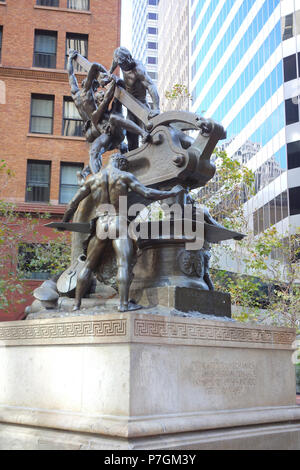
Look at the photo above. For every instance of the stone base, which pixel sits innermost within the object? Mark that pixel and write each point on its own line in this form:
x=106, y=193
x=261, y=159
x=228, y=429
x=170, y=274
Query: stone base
x=136, y=381
x=185, y=299
x=264, y=437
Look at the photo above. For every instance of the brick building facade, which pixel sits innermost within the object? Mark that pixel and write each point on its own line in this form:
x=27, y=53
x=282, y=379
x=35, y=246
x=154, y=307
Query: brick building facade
x=40, y=138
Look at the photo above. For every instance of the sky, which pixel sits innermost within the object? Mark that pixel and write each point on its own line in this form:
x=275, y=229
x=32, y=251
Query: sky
x=126, y=10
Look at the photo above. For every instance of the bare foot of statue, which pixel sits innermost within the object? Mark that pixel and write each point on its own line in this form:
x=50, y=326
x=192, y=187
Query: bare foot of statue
x=129, y=307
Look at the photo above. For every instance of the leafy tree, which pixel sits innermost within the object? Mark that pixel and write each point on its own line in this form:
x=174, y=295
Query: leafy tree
x=268, y=263
x=178, y=90
x=24, y=250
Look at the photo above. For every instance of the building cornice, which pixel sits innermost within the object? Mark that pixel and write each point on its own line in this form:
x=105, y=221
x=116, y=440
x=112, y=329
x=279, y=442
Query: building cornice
x=34, y=208
x=55, y=136
x=23, y=73
x=63, y=10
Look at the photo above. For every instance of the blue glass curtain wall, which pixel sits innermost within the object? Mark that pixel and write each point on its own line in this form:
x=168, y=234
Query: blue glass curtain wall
x=270, y=45
x=257, y=101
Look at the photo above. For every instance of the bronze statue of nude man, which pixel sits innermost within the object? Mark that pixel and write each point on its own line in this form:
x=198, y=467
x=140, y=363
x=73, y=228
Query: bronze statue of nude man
x=137, y=82
x=84, y=97
x=104, y=128
x=106, y=188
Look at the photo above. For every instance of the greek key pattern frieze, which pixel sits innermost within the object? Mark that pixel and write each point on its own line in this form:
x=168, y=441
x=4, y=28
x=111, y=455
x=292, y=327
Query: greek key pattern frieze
x=160, y=329
x=80, y=329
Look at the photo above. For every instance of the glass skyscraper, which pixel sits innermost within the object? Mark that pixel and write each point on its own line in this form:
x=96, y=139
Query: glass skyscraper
x=244, y=73
x=145, y=34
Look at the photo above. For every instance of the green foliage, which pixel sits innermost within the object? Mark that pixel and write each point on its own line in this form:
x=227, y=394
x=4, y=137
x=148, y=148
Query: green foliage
x=50, y=257
x=297, y=367
x=15, y=229
x=266, y=281
x=178, y=90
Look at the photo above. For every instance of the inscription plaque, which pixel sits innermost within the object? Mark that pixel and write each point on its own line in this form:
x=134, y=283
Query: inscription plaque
x=219, y=377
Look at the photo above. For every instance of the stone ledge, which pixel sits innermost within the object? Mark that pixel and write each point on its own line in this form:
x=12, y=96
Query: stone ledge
x=143, y=426
x=55, y=136
x=269, y=437
x=35, y=73
x=144, y=328
x=63, y=10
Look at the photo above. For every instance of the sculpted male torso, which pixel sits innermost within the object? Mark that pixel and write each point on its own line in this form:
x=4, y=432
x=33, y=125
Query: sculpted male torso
x=84, y=97
x=137, y=82
x=85, y=103
x=106, y=188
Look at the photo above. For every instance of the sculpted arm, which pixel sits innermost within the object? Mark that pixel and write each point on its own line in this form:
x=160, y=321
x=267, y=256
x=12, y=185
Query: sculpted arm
x=72, y=79
x=151, y=88
x=113, y=67
x=102, y=108
x=83, y=192
x=93, y=74
x=149, y=193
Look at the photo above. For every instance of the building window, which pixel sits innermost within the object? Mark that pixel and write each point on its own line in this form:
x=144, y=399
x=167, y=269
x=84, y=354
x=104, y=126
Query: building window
x=271, y=213
x=290, y=25
x=287, y=27
x=284, y=204
x=153, y=75
x=79, y=4
x=270, y=170
x=152, y=16
x=38, y=181
x=293, y=154
x=41, y=119
x=294, y=199
x=68, y=181
x=291, y=110
x=152, y=30
x=152, y=45
x=152, y=2
x=72, y=122
x=290, y=68
x=45, y=49
x=30, y=261
x=48, y=3
x=152, y=60
x=78, y=42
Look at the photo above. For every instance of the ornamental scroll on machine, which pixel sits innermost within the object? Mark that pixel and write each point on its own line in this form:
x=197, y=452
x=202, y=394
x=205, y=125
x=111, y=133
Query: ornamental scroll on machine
x=160, y=271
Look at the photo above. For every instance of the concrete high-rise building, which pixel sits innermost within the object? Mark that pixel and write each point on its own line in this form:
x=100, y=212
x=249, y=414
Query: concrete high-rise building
x=145, y=34
x=245, y=73
x=173, y=51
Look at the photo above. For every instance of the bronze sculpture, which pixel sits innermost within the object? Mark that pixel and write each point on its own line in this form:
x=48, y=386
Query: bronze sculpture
x=136, y=82
x=103, y=127
x=167, y=157
x=106, y=188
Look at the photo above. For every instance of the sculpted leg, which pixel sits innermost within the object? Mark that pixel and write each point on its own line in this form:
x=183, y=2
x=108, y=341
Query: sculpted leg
x=94, y=252
x=97, y=148
x=118, y=123
x=132, y=138
x=124, y=254
x=82, y=285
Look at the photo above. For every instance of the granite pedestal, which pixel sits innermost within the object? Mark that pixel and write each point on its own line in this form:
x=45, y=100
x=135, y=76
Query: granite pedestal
x=136, y=381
